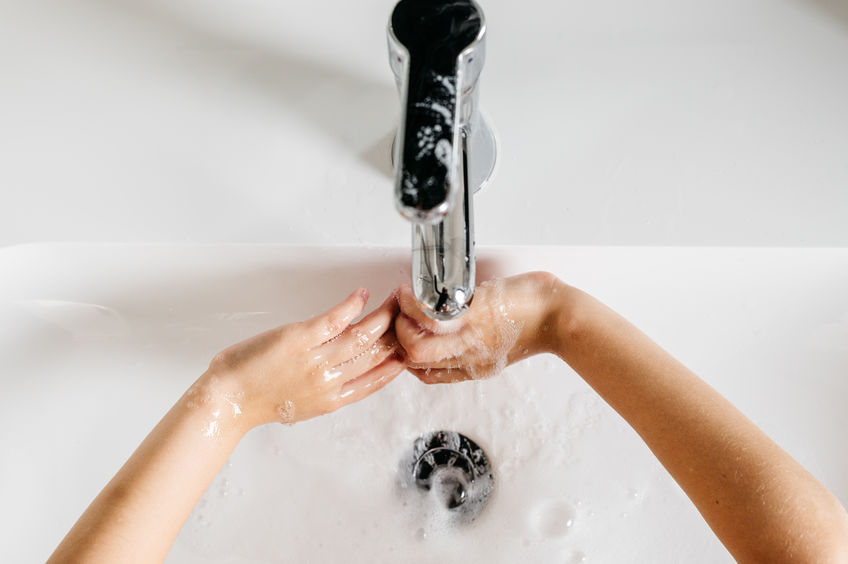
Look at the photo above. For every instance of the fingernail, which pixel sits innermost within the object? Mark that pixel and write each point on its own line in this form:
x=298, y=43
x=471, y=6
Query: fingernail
x=363, y=293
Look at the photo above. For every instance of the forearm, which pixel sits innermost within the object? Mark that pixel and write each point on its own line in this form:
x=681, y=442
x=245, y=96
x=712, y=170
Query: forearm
x=761, y=503
x=139, y=513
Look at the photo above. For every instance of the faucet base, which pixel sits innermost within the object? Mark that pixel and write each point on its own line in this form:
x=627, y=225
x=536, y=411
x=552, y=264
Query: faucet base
x=483, y=145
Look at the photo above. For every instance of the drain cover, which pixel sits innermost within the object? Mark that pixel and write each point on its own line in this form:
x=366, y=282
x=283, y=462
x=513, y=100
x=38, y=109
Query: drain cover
x=454, y=472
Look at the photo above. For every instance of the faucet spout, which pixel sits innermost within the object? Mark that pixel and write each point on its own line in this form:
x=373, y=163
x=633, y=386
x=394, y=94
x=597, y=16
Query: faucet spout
x=444, y=151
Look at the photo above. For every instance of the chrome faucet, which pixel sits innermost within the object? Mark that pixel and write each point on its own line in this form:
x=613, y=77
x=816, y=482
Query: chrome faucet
x=444, y=151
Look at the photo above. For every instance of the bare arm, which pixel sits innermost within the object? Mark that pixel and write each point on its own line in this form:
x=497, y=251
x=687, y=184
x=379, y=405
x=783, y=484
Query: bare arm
x=759, y=501
x=762, y=505
x=288, y=374
x=138, y=514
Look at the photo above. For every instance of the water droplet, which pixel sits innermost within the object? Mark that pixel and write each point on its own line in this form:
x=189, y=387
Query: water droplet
x=553, y=519
x=577, y=557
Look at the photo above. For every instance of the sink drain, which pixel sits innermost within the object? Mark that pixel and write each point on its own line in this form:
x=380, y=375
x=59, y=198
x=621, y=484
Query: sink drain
x=453, y=472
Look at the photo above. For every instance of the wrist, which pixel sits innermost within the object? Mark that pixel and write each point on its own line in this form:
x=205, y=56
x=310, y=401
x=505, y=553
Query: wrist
x=550, y=315
x=539, y=301
x=221, y=404
x=565, y=318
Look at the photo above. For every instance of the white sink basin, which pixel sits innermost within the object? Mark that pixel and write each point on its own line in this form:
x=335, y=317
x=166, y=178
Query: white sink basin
x=96, y=343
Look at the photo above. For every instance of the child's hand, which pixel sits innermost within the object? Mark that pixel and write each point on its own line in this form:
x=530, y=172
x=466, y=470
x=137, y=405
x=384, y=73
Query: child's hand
x=287, y=374
x=306, y=369
x=509, y=319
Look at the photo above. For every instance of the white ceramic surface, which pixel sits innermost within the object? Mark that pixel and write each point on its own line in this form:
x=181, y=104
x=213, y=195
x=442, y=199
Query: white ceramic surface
x=659, y=122
x=96, y=342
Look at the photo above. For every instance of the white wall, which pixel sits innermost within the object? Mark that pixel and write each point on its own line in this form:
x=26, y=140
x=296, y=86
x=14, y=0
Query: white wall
x=660, y=122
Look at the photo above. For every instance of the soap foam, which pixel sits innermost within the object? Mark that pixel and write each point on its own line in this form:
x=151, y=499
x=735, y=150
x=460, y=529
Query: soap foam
x=286, y=412
x=490, y=359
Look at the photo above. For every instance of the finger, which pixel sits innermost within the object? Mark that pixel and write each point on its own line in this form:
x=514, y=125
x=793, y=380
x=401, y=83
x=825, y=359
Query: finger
x=360, y=337
x=375, y=379
x=444, y=364
x=439, y=376
x=329, y=325
x=423, y=346
x=353, y=367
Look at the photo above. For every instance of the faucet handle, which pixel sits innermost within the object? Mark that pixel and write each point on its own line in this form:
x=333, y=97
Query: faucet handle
x=426, y=40
x=429, y=141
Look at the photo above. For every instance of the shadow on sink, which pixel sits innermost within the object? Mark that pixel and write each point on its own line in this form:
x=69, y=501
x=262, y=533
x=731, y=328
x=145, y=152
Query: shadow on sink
x=349, y=107
x=187, y=305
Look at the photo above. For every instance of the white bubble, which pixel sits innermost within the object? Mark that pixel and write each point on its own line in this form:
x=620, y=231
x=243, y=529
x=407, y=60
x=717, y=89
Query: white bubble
x=212, y=430
x=286, y=412
x=553, y=519
x=576, y=557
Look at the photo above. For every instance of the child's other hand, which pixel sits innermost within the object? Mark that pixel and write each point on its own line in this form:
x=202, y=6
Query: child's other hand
x=509, y=319
x=302, y=370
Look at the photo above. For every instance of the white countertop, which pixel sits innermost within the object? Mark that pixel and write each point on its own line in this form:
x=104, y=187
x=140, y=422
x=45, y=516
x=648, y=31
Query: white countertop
x=654, y=123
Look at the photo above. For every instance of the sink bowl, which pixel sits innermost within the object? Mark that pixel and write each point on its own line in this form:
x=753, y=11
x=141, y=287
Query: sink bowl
x=98, y=341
